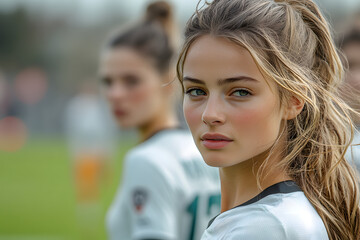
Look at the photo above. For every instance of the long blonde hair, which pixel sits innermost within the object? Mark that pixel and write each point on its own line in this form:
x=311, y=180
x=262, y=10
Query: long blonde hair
x=291, y=43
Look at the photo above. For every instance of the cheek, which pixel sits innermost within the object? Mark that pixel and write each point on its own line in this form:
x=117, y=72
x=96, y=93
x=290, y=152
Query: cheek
x=139, y=95
x=145, y=101
x=192, y=114
x=144, y=97
x=247, y=122
x=259, y=122
x=251, y=116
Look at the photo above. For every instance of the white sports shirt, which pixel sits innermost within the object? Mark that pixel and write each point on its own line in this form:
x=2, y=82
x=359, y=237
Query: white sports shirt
x=167, y=192
x=280, y=212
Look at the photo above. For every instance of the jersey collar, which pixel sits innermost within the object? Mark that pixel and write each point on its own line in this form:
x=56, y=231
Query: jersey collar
x=284, y=187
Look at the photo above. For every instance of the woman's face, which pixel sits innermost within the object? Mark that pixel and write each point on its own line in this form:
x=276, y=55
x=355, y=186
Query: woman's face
x=232, y=111
x=133, y=86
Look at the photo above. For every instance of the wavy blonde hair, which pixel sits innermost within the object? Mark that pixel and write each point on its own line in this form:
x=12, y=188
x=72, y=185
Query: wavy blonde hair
x=291, y=43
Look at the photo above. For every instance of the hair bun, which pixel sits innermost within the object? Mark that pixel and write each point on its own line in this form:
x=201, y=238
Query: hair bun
x=159, y=11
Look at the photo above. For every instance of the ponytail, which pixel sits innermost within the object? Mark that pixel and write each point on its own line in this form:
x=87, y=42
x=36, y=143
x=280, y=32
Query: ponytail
x=327, y=63
x=326, y=178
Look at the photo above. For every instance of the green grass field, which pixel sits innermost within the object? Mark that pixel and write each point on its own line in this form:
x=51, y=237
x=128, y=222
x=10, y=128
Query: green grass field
x=37, y=194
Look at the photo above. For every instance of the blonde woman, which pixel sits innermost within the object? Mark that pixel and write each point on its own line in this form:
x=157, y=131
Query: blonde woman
x=260, y=79
x=167, y=191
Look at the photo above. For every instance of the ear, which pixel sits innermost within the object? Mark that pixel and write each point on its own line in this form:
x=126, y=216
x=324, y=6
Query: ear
x=294, y=107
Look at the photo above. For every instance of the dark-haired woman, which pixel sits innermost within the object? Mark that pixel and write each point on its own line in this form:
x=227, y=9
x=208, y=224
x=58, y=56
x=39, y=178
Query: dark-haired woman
x=167, y=191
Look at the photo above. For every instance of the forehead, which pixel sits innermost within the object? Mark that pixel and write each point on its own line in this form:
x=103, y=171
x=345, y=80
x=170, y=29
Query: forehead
x=211, y=57
x=123, y=59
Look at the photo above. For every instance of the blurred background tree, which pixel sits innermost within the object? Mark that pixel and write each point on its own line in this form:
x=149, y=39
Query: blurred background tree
x=20, y=40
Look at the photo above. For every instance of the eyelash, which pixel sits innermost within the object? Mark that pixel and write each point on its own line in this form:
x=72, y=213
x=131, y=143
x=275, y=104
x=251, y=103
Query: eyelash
x=248, y=93
x=187, y=92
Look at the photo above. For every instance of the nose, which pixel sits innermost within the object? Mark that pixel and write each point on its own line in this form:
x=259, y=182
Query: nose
x=213, y=114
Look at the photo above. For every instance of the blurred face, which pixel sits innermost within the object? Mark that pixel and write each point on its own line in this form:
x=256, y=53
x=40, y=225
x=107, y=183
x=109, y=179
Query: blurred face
x=232, y=111
x=352, y=52
x=133, y=86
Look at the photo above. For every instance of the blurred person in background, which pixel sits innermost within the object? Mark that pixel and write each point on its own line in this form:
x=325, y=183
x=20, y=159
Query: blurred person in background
x=9, y=105
x=3, y=95
x=350, y=47
x=91, y=142
x=167, y=191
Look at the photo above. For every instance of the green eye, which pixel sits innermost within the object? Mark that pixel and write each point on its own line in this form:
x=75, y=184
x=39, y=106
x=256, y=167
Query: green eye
x=241, y=93
x=195, y=92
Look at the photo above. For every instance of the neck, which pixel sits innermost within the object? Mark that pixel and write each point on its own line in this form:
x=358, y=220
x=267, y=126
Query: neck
x=158, y=123
x=239, y=182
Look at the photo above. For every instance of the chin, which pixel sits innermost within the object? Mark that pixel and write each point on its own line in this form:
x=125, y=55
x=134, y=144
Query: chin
x=214, y=160
x=126, y=123
x=221, y=160
x=213, y=164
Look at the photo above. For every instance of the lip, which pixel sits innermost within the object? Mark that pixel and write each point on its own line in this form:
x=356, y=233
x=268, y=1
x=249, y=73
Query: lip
x=215, y=140
x=119, y=113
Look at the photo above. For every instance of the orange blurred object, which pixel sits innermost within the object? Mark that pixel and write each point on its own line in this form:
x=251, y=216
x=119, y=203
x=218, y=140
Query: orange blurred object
x=88, y=174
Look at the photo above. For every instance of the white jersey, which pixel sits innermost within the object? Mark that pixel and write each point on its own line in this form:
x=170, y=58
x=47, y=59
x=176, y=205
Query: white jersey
x=88, y=125
x=168, y=192
x=279, y=212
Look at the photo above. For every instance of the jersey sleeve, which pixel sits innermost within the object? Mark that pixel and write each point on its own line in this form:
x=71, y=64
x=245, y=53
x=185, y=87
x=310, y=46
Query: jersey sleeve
x=150, y=196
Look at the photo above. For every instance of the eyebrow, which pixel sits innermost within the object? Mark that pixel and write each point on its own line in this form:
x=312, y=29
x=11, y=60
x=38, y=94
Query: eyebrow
x=221, y=81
